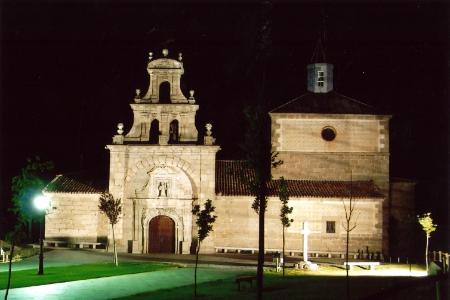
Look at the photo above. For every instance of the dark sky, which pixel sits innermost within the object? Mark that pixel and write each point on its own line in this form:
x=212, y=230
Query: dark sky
x=69, y=71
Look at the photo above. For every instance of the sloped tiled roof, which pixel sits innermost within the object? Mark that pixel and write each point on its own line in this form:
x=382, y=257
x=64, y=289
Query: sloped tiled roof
x=75, y=184
x=325, y=103
x=232, y=178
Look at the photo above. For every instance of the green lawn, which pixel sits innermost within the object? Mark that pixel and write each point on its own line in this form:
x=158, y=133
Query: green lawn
x=303, y=285
x=307, y=287
x=77, y=272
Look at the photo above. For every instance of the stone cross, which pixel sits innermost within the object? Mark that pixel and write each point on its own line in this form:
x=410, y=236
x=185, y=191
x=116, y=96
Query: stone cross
x=305, y=232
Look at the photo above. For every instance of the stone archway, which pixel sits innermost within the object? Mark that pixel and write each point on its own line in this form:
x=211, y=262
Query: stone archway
x=147, y=165
x=161, y=233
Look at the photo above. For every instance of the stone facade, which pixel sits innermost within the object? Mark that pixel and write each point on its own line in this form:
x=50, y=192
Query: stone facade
x=136, y=173
x=160, y=169
x=75, y=218
x=360, y=150
x=165, y=178
x=237, y=224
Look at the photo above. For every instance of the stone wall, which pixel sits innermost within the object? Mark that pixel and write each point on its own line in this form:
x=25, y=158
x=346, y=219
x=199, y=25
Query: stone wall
x=75, y=218
x=237, y=224
x=360, y=150
x=335, y=166
x=351, y=135
x=354, y=133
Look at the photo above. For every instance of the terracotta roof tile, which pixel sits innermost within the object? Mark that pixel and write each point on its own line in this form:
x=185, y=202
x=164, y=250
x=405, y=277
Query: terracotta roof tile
x=74, y=184
x=231, y=178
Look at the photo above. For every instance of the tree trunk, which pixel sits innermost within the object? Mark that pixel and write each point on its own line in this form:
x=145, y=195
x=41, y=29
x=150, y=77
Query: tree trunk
x=30, y=228
x=195, y=272
x=283, y=248
x=116, y=262
x=347, y=279
x=11, y=254
x=426, y=253
x=260, y=270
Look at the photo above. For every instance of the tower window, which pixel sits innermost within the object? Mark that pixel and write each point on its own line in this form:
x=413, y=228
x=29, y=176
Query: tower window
x=331, y=227
x=164, y=92
x=154, y=132
x=320, y=78
x=173, y=132
x=328, y=133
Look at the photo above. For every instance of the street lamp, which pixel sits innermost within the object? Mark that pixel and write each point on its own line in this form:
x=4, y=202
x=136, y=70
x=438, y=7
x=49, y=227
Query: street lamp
x=41, y=202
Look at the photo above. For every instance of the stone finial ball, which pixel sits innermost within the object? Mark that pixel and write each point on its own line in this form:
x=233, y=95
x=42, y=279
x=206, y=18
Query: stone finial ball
x=120, y=128
x=165, y=52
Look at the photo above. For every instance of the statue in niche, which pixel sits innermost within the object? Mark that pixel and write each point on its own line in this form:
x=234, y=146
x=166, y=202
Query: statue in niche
x=163, y=188
x=166, y=187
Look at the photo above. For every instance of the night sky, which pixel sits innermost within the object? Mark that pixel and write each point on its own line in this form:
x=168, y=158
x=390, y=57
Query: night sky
x=69, y=71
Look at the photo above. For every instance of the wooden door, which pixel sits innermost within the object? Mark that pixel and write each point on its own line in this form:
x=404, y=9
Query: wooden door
x=161, y=235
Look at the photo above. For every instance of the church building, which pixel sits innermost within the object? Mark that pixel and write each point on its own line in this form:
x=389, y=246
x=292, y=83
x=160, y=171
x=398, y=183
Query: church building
x=333, y=147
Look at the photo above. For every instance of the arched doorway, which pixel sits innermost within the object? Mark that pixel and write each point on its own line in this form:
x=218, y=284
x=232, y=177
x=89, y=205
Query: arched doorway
x=161, y=235
x=164, y=92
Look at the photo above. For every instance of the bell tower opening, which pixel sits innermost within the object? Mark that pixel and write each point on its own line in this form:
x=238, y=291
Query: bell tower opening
x=173, y=132
x=165, y=102
x=154, y=132
x=164, y=92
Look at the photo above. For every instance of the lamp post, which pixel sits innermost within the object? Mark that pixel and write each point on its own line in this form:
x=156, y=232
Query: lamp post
x=41, y=202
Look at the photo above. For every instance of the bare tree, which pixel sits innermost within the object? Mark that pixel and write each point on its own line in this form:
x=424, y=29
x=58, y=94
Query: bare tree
x=204, y=221
x=349, y=225
x=284, y=211
x=426, y=221
x=112, y=208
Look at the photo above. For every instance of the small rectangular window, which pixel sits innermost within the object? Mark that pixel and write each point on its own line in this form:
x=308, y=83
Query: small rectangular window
x=331, y=227
x=320, y=78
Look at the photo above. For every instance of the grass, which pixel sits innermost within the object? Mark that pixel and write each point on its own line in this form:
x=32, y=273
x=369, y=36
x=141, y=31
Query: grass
x=276, y=287
x=26, y=278
x=330, y=284
x=306, y=287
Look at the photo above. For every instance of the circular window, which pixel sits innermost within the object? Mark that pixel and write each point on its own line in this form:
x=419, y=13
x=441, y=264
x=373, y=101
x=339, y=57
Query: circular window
x=328, y=134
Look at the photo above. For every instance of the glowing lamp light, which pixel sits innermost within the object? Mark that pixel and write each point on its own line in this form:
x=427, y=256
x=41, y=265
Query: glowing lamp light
x=41, y=202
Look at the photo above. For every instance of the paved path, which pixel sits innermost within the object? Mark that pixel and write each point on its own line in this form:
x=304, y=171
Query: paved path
x=67, y=257
x=121, y=286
